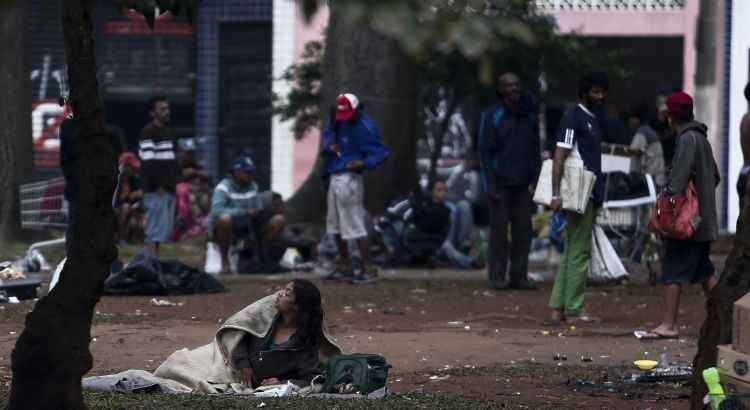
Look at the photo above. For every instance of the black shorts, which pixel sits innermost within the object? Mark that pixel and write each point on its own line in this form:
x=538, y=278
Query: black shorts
x=686, y=262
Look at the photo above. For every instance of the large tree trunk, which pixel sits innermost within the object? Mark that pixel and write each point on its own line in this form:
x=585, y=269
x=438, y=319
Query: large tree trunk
x=52, y=353
x=733, y=284
x=15, y=113
x=360, y=61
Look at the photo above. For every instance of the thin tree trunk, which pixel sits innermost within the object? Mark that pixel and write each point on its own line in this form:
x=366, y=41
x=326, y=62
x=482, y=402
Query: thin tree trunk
x=15, y=114
x=733, y=284
x=52, y=353
x=360, y=61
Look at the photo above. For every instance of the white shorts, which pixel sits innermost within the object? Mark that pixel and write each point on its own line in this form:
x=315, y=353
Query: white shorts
x=346, y=211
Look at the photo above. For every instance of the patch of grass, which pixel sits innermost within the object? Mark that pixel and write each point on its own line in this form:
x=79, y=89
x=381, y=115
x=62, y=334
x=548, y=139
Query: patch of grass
x=115, y=401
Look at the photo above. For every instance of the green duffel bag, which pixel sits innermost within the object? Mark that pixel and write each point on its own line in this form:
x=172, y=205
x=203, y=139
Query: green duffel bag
x=356, y=373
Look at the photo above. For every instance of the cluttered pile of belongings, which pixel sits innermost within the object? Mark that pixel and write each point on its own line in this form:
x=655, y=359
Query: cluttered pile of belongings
x=148, y=275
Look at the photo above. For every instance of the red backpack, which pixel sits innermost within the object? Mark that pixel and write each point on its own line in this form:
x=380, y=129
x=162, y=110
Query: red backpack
x=678, y=216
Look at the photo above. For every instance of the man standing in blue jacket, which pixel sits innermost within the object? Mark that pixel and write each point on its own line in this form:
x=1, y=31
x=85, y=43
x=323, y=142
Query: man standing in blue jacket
x=510, y=156
x=351, y=145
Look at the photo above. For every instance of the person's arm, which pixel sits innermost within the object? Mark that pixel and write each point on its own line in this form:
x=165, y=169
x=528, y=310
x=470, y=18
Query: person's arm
x=682, y=164
x=375, y=151
x=566, y=140
x=486, y=151
x=220, y=203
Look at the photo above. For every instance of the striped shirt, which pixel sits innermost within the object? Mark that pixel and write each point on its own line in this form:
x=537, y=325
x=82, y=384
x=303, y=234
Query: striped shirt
x=233, y=200
x=158, y=153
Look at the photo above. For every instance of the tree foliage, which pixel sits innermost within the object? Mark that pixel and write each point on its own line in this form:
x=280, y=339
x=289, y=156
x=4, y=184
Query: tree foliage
x=302, y=103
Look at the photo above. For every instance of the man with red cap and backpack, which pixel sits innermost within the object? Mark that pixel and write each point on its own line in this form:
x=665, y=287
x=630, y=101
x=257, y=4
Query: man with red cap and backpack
x=351, y=145
x=687, y=261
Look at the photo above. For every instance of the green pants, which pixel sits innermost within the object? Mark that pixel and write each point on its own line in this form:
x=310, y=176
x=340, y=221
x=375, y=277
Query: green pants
x=570, y=283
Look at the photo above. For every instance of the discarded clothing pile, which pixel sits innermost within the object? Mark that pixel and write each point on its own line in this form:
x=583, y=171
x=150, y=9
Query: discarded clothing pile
x=147, y=275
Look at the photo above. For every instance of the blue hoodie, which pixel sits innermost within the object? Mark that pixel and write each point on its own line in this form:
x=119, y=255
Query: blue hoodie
x=359, y=140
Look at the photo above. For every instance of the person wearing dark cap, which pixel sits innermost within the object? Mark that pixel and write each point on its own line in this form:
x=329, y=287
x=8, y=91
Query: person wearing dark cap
x=688, y=261
x=237, y=212
x=745, y=144
x=351, y=145
x=580, y=133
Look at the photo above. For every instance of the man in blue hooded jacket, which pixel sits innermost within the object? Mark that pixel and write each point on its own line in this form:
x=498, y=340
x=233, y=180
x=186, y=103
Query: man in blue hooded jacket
x=510, y=155
x=351, y=145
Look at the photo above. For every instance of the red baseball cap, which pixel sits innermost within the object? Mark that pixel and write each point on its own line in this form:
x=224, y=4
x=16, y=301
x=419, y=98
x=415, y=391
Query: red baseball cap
x=679, y=103
x=129, y=158
x=346, y=105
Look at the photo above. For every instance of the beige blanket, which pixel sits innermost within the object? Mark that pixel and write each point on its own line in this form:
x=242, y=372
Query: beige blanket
x=209, y=368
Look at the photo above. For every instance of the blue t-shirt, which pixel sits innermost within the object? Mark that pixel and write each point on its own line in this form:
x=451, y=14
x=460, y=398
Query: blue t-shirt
x=580, y=128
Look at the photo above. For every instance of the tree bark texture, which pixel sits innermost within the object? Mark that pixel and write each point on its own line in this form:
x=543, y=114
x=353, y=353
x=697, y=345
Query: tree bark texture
x=717, y=328
x=360, y=61
x=52, y=353
x=15, y=114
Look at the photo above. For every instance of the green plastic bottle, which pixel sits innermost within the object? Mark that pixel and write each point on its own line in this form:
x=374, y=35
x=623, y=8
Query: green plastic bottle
x=715, y=391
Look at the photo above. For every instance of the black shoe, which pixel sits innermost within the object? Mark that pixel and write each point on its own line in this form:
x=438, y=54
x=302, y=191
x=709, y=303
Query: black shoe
x=523, y=285
x=499, y=286
x=339, y=274
x=365, y=277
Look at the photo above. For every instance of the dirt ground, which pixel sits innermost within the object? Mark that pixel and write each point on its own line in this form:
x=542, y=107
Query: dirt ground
x=443, y=336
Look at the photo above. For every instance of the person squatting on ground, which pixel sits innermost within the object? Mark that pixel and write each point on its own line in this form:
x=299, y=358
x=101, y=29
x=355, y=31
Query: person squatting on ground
x=239, y=211
x=745, y=144
x=157, y=150
x=580, y=132
x=510, y=155
x=688, y=261
x=351, y=145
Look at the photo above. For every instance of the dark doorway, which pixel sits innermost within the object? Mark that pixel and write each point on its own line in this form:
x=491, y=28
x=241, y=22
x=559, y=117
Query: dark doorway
x=245, y=96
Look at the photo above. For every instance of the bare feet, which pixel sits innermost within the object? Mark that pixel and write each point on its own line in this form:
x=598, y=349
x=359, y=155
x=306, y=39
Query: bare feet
x=665, y=331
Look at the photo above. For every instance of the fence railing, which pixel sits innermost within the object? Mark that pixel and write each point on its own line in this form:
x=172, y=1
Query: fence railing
x=610, y=5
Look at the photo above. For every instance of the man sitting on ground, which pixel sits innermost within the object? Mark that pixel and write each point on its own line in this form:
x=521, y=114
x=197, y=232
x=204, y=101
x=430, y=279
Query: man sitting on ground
x=237, y=212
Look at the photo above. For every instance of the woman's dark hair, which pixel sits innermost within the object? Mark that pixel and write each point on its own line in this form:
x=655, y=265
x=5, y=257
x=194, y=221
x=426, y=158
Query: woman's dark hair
x=309, y=313
x=747, y=92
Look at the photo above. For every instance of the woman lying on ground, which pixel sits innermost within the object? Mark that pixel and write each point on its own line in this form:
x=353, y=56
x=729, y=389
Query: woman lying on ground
x=279, y=338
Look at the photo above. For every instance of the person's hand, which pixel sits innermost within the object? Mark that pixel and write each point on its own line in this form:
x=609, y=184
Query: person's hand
x=355, y=165
x=246, y=376
x=334, y=148
x=270, y=382
x=556, y=203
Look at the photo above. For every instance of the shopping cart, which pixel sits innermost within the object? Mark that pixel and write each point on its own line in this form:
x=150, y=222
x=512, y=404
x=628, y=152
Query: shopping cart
x=43, y=207
x=628, y=220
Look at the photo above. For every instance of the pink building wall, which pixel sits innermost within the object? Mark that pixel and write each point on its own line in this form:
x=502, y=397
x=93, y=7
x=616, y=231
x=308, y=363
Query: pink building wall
x=676, y=23
x=306, y=149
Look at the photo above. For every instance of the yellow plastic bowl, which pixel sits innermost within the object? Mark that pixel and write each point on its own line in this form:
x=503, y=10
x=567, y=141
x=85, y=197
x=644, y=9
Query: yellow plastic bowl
x=646, y=364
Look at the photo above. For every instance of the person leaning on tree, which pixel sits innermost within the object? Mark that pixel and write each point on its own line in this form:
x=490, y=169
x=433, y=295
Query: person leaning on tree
x=351, y=145
x=579, y=131
x=510, y=155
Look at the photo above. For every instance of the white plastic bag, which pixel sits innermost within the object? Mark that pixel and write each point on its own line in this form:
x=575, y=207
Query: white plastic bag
x=605, y=265
x=213, y=259
x=56, y=274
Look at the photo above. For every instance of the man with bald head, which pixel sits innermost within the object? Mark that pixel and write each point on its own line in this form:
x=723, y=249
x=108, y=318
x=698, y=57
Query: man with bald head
x=510, y=155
